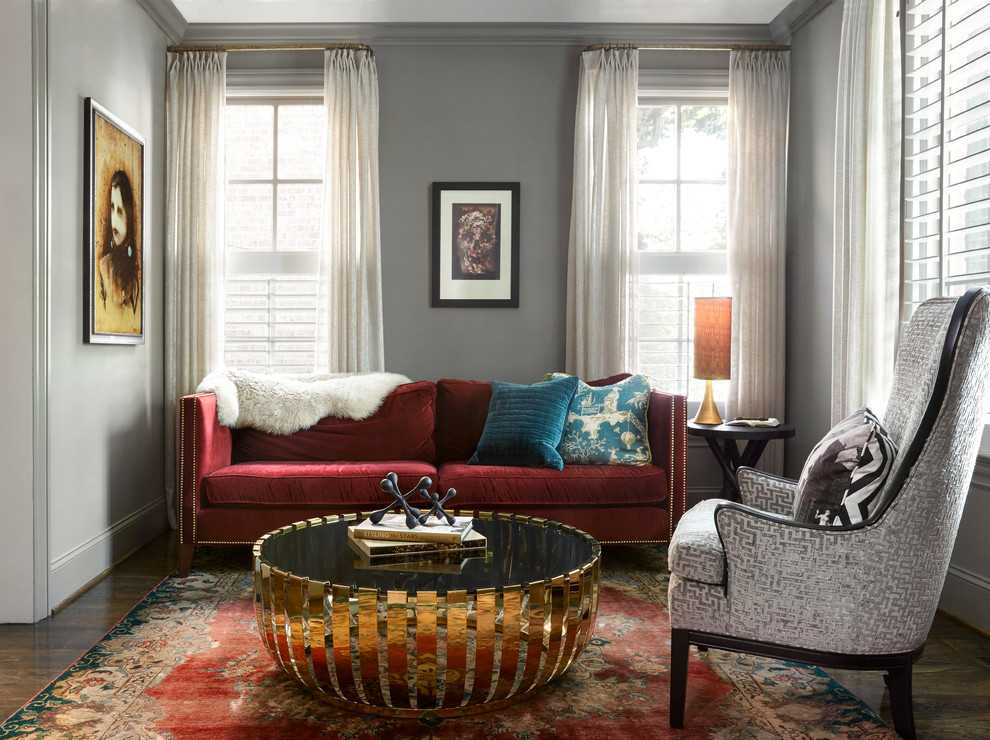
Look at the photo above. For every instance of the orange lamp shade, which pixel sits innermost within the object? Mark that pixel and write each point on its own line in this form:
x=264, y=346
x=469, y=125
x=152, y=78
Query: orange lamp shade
x=712, y=338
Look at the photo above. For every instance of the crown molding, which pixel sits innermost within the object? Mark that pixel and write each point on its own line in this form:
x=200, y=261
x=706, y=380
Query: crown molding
x=794, y=17
x=167, y=16
x=469, y=34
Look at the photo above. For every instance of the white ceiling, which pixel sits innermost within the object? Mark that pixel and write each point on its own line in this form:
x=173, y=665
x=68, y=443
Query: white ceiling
x=471, y=11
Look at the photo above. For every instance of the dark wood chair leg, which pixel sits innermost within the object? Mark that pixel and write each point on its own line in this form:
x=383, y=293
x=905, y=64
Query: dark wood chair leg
x=185, y=559
x=901, y=704
x=679, y=650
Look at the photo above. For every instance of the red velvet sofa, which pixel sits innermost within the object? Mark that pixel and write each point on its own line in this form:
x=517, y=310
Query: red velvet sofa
x=237, y=484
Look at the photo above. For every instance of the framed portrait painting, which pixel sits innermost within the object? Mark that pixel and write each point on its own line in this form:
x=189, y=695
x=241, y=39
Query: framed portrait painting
x=475, y=259
x=114, y=230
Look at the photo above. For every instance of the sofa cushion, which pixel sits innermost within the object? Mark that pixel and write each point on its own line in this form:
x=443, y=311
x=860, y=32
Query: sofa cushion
x=401, y=429
x=499, y=487
x=525, y=424
x=606, y=424
x=281, y=484
x=843, y=477
x=462, y=408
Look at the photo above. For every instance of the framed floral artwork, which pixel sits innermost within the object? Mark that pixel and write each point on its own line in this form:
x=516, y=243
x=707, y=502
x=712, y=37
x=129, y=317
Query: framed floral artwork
x=114, y=230
x=475, y=255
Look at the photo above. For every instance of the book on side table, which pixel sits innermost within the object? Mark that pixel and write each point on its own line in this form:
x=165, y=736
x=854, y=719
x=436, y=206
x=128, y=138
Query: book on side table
x=761, y=421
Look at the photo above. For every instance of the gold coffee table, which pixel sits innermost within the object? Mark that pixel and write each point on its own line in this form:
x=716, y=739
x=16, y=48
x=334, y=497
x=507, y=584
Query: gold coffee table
x=410, y=641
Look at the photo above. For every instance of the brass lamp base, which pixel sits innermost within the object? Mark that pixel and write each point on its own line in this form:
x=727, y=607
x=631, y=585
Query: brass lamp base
x=708, y=413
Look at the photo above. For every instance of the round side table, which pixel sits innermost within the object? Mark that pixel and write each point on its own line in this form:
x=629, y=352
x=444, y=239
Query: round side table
x=722, y=439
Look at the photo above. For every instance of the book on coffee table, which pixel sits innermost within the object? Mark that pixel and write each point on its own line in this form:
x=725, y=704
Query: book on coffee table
x=441, y=561
x=378, y=550
x=393, y=527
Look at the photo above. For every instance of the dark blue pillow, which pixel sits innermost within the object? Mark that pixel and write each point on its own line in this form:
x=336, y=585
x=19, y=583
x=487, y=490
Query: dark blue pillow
x=525, y=424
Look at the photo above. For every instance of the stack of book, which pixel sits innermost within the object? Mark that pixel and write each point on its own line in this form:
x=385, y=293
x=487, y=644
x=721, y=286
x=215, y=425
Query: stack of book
x=435, y=546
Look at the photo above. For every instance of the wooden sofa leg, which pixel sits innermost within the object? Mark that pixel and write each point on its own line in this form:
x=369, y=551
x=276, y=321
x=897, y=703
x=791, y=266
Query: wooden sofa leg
x=679, y=649
x=185, y=559
x=901, y=703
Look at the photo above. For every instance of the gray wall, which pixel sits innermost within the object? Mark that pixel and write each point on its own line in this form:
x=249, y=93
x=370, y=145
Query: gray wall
x=488, y=113
x=482, y=113
x=105, y=431
x=810, y=211
x=16, y=303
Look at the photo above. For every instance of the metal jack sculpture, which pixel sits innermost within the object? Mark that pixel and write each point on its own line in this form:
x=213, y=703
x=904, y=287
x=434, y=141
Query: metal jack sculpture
x=413, y=515
x=437, y=507
x=391, y=485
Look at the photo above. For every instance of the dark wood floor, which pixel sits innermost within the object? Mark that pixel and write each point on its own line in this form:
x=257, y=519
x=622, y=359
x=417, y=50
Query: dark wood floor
x=33, y=655
x=951, y=685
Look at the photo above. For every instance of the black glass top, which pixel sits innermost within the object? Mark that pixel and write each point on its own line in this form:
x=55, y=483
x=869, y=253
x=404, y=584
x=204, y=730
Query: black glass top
x=517, y=553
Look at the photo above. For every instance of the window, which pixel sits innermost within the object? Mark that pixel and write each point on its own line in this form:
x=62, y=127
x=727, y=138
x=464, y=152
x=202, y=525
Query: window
x=681, y=229
x=273, y=221
x=946, y=148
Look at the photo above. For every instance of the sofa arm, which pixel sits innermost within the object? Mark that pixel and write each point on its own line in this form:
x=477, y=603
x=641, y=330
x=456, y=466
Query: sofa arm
x=204, y=446
x=667, y=423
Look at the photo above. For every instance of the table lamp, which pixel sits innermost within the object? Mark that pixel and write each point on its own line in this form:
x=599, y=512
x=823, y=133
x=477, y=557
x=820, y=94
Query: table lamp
x=712, y=350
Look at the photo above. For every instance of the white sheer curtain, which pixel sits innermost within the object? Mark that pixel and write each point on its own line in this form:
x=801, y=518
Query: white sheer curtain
x=602, y=264
x=350, y=261
x=759, y=93
x=194, y=106
x=866, y=260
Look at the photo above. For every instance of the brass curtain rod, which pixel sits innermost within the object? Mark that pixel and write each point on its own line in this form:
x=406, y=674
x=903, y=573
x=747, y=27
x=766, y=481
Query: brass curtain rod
x=692, y=47
x=271, y=47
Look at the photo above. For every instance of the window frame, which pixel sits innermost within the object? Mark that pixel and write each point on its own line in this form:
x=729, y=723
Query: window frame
x=683, y=88
x=936, y=203
x=273, y=262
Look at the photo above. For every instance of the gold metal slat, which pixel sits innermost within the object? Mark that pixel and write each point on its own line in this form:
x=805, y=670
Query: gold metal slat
x=534, y=635
x=263, y=606
x=367, y=620
x=341, y=630
x=283, y=656
x=426, y=650
x=398, y=651
x=511, y=621
x=484, y=651
x=457, y=634
x=318, y=637
x=558, y=611
x=295, y=628
x=572, y=620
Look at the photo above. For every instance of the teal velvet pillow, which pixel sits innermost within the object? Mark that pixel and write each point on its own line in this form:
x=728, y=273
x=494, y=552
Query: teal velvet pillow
x=607, y=424
x=525, y=424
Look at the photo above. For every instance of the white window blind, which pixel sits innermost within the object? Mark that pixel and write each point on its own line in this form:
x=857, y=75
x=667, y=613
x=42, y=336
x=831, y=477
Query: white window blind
x=946, y=148
x=273, y=222
x=681, y=225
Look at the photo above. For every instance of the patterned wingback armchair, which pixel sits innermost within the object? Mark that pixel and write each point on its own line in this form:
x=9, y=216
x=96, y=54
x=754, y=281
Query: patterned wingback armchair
x=749, y=578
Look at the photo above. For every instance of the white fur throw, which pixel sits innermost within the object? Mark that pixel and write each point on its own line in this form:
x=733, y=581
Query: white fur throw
x=283, y=404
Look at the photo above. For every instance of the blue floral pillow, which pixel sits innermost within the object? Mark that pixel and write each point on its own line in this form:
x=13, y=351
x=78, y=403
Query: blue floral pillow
x=607, y=424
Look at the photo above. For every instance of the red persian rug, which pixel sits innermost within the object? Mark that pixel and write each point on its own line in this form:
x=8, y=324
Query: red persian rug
x=187, y=662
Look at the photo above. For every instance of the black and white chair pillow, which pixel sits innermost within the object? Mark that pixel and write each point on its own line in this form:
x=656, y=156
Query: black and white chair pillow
x=844, y=475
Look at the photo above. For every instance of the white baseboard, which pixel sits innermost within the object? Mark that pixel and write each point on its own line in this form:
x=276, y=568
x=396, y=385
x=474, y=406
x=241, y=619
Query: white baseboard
x=77, y=568
x=967, y=596
x=966, y=593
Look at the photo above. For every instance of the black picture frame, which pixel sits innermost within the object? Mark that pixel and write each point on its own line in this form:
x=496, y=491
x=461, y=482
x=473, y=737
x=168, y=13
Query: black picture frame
x=114, y=219
x=475, y=250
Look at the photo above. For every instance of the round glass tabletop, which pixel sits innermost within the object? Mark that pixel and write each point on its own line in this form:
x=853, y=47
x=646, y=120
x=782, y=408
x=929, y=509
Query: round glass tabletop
x=517, y=552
